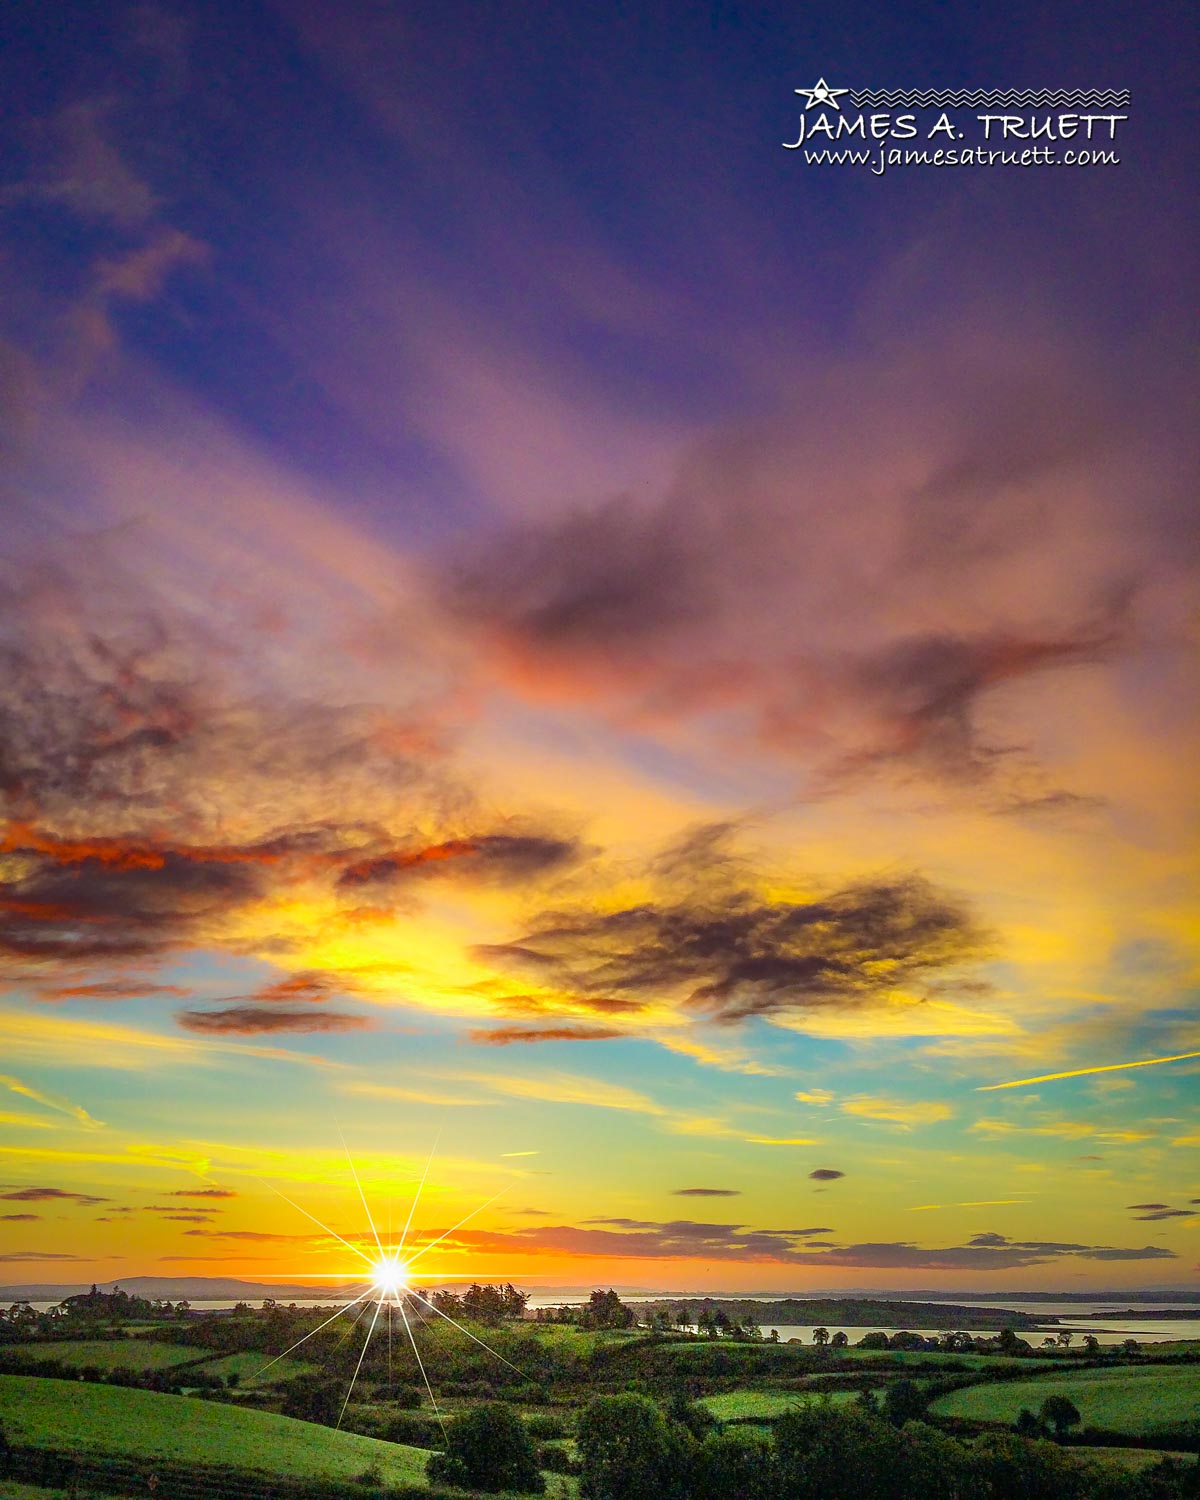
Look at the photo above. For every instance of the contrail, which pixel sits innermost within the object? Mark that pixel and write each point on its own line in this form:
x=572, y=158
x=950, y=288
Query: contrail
x=1146, y=1062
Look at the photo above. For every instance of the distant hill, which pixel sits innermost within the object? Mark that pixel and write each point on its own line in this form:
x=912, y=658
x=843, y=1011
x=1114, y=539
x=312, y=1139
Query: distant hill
x=189, y=1288
x=861, y=1312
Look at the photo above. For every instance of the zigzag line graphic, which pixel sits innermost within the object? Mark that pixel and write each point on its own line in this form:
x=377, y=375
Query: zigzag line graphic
x=959, y=98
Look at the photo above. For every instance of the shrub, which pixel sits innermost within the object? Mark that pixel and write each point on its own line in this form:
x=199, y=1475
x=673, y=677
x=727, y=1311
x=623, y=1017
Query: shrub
x=731, y=1464
x=488, y=1448
x=545, y=1426
x=629, y=1451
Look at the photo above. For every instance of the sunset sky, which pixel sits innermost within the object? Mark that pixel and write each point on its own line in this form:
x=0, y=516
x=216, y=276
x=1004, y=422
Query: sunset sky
x=534, y=622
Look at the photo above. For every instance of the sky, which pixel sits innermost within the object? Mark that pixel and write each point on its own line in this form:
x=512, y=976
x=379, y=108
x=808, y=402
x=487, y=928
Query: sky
x=557, y=653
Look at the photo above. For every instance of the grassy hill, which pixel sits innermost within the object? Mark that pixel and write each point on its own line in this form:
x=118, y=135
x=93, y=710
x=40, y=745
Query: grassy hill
x=109, y=1419
x=1138, y=1400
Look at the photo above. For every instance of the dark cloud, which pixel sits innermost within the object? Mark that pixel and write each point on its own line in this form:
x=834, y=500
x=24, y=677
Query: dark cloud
x=926, y=691
x=501, y=857
x=249, y=1020
x=703, y=1192
x=826, y=1174
x=1167, y=1213
x=132, y=738
x=1146, y=1205
x=202, y=1193
x=88, y=900
x=733, y=954
x=255, y=1234
x=16, y=1256
x=113, y=989
x=784, y=583
x=651, y=1240
x=512, y=956
x=50, y=1195
x=504, y=1036
x=20, y=1218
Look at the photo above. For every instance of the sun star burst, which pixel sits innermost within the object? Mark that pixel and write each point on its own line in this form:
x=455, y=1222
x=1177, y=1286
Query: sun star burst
x=390, y=1285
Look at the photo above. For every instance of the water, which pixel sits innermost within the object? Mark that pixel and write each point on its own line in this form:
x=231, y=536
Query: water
x=1070, y=1315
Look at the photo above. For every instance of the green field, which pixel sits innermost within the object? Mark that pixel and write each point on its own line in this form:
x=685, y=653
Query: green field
x=248, y=1365
x=109, y=1419
x=739, y=1406
x=1139, y=1400
x=1127, y=1458
x=110, y=1354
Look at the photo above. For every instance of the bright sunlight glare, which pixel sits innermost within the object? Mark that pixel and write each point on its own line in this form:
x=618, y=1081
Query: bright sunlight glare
x=389, y=1277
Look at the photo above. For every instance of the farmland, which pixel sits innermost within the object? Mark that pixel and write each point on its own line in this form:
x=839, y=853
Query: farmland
x=111, y=1354
x=1138, y=1401
x=761, y=1406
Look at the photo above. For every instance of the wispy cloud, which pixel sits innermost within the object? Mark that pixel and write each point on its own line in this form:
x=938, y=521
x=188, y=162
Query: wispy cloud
x=903, y=1112
x=50, y=1101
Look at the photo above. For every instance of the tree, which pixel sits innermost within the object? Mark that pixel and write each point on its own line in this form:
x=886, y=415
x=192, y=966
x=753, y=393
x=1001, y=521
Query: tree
x=1028, y=1425
x=1091, y=1343
x=826, y=1451
x=873, y=1341
x=1130, y=1346
x=1012, y=1468
x=606, y=1310
x=488, y=1448
x=820, y=1337
x=313, y=1399
x=1060, y=1412
x=629, y=1451
x=903, y=1401
x=840, y=1339
x=1064, y=1339
x=731, y=1466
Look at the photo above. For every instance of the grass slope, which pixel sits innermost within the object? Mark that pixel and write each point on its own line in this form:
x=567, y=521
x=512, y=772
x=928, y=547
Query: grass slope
x=109, y=1419
x=1139, y=1400
x=110, y=1354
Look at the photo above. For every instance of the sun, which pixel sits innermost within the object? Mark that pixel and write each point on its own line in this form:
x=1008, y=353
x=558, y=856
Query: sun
x=389, y=1277
x=390, y=1286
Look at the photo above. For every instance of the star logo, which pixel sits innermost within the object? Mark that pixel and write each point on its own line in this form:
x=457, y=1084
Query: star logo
x=821, y=93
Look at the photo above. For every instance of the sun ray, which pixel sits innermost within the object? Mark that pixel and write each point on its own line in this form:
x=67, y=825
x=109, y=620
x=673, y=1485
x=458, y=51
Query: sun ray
x=351, y=1326
x=361, y=1194
x=417, y=1195
x=421, y=1366
x=469, y=1334
x=391, y=1285
x=359, y=1365
x=332, y=1232
x=311, y=1331
x=416, y=1255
